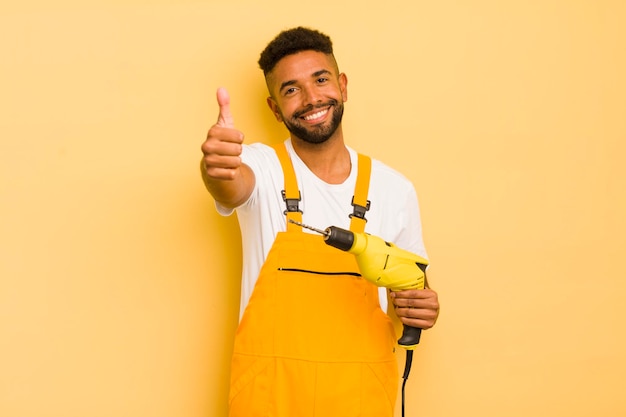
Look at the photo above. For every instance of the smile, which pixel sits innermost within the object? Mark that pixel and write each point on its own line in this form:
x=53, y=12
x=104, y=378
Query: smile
x=315, y=116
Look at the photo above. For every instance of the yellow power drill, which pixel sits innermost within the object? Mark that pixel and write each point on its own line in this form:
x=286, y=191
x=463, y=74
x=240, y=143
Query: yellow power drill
x=381, y=263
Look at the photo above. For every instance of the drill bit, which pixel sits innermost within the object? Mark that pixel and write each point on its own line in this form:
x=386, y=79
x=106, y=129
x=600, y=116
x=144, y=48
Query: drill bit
x=326, y=233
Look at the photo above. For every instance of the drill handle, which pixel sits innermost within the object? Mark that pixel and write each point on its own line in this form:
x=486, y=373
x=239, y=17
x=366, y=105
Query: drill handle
x=410, y=337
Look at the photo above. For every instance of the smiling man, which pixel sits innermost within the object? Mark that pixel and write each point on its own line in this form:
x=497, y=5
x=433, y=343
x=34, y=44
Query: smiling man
x=314, y=338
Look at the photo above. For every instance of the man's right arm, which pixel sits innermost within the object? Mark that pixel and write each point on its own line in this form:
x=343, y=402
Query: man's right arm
x=229, y=181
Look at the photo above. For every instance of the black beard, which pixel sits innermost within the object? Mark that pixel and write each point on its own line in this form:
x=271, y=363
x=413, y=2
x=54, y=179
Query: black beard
x=316, y=134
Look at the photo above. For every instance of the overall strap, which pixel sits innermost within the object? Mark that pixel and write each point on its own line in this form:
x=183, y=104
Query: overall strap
x=360, y=203
x=291, y=194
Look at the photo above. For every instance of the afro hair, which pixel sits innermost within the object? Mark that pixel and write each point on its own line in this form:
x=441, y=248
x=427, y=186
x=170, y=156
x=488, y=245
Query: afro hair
x=292, y=41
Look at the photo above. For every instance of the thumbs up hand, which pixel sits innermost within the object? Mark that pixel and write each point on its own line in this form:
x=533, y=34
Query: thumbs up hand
x=223, y=145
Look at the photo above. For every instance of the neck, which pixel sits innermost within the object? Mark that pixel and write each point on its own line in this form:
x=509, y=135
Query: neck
x=329, y=161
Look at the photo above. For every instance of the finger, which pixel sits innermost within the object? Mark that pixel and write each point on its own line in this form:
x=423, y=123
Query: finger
x=423, y=293
x=417, y=313
x=416, y=299
x=221, y=173
x=412, y=303
x=424, y=324
x=225, y=118
x=223, y=141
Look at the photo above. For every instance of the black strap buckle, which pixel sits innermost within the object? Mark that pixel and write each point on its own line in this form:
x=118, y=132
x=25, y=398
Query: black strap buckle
x=292, y=203
x=359, y=210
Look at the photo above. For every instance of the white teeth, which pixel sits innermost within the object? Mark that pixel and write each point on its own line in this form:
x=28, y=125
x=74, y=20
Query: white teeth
x=316, y=115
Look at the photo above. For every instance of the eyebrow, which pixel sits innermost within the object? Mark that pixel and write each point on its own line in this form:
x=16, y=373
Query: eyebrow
x=315, y=74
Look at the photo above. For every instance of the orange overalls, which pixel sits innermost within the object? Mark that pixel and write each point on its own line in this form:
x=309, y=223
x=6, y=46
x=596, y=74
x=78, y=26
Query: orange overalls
x=313, y=340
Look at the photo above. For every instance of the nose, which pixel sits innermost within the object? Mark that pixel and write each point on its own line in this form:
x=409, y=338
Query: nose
x=311, y=95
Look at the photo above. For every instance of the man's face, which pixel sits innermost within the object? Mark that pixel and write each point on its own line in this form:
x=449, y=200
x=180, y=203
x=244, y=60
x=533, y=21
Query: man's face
x=307, y=94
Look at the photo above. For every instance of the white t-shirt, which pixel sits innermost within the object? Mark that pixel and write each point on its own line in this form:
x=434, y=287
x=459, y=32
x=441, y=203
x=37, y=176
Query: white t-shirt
x=394, y=212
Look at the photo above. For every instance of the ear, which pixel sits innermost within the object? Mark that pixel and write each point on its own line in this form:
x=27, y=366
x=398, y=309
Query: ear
x=274, y=108
x=343, y=86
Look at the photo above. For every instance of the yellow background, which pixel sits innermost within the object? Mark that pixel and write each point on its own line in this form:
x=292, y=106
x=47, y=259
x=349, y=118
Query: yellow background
x=119, y=282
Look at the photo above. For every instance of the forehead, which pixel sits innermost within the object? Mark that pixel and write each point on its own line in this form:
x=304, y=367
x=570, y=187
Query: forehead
x=300, y=66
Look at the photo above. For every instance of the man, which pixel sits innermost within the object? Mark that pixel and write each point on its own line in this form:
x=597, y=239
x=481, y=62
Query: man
x=313, y=339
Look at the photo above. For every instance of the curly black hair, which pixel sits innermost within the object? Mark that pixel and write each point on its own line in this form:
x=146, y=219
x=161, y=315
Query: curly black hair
x=292, y=41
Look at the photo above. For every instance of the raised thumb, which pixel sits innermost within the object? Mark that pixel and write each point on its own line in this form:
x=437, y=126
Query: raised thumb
x=225, y=118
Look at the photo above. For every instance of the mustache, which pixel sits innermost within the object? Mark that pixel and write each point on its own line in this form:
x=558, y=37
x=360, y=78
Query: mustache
x=310, y=107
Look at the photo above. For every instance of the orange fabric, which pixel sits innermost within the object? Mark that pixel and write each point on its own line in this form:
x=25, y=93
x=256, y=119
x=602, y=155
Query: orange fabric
x=313, y=341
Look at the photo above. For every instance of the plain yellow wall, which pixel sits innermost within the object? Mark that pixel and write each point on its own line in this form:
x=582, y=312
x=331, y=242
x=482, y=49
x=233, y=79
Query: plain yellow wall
x=119, y=282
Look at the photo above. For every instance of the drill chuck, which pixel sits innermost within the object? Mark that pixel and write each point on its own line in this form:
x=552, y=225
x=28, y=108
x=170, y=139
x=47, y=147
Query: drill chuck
x=334, y=236
x=339, y=238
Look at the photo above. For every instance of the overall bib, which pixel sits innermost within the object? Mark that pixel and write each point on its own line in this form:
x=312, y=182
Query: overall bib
x=313, y=340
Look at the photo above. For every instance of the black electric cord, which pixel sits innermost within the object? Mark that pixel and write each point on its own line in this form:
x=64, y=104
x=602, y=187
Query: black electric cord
x=405, y=376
